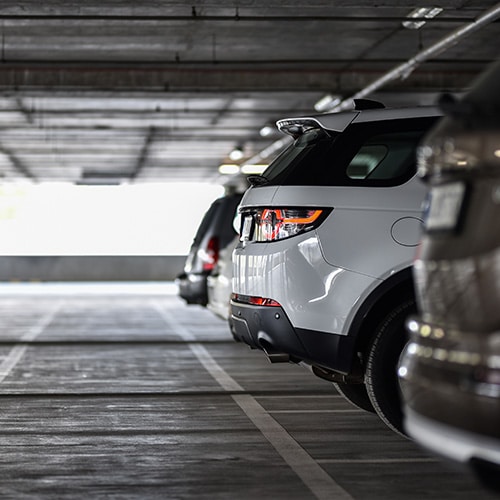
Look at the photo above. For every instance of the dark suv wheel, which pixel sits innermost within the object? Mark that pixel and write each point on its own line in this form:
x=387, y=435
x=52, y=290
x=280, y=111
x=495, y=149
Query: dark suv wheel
x=381, y=378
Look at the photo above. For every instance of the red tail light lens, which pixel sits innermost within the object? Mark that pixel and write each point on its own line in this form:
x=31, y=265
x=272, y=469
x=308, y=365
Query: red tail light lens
x=272, y=224
x=210, y=255
x=254, y=301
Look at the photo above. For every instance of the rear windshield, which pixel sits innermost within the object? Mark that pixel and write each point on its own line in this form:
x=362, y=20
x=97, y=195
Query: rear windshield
x=218, y=220
x=365, y=154
x=205, y=223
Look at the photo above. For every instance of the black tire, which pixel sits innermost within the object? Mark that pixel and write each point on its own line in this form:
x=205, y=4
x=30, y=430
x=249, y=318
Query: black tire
x=356, y=394
x=381, y=378
x=487, y=473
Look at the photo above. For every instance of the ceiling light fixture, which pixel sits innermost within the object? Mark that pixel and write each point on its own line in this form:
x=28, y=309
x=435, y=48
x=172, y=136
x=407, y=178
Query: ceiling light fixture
x=253, y=169
x=229, y=169
x=236, y=154
x=267, y=130
x=327, y=102
x=421, y=13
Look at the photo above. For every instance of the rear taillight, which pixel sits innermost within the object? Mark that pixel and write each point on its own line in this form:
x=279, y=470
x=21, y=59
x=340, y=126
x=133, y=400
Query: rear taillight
x=272, y=224
x=210, y=255
x=254, y=301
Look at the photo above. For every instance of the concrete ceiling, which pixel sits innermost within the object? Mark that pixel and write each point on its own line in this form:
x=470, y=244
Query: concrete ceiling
x=112, y=90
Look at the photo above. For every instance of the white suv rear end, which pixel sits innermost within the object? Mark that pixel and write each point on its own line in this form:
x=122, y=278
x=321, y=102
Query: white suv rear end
x=322, y=272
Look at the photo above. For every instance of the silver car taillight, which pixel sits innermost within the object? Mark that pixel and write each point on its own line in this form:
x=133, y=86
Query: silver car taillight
x=273, y=224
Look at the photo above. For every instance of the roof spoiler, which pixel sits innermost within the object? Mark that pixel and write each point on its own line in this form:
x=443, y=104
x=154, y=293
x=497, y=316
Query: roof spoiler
x=361, y=104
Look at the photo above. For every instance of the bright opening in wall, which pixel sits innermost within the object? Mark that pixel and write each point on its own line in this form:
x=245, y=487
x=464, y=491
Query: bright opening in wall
x=131, y=219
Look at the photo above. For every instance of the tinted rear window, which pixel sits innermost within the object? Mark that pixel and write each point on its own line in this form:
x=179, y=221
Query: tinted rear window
x=218, y=220
x=365, y=154
x=205, y=222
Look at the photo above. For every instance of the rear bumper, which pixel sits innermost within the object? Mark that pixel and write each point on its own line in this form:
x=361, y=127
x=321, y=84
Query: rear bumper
x=269, y=329
x=451, y=442
x=451, y=386
x=193, y=288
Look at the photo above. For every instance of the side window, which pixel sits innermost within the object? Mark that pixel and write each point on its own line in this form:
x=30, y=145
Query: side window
x=384, y=157
x=366, y=161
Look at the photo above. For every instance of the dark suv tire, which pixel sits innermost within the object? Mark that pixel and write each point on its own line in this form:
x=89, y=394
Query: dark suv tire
x=381, y=378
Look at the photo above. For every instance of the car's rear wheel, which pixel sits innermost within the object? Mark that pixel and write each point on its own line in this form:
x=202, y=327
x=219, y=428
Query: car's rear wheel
x=381, y=378
x=356, y=394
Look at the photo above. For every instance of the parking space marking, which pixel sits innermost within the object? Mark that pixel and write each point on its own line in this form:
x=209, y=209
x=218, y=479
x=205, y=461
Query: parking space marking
x=315, y=396
x=321, y=484
x=377, y=460
x=317, y=411
x=17, y=352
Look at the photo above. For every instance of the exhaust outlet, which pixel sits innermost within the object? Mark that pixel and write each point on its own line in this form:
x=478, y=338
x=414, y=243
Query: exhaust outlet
x=272, y=354
x=277, y=357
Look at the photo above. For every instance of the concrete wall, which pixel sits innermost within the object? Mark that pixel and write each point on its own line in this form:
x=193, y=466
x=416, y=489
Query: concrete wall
x=91, y=268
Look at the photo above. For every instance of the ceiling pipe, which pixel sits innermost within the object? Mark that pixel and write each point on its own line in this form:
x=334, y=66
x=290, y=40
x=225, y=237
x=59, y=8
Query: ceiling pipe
x=209, y=18
x=401, y=71
x=404, y=70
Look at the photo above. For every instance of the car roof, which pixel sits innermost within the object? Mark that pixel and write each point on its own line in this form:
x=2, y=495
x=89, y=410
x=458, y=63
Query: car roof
x=338, y=122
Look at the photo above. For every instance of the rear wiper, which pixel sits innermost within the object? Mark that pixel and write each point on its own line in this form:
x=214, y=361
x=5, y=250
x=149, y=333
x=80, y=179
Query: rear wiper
x=257, y=180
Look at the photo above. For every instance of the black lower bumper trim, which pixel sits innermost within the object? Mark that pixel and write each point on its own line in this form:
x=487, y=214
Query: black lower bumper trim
x=269, y=329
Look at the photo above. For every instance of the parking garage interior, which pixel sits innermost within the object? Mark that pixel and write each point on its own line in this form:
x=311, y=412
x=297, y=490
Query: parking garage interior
x=120, y=123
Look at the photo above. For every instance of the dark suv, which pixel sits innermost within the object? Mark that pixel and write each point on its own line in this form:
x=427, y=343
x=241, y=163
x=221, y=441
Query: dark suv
x=450, y=370
x=215, y=232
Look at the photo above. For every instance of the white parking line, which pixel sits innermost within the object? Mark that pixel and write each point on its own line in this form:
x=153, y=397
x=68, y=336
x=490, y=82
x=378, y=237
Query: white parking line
x=378, y=460
x=318, y=411
x=321, y=485
x=305, y=396
x=16, y=353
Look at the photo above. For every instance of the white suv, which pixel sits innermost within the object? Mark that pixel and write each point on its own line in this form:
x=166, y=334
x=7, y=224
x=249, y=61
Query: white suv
x=322, y=273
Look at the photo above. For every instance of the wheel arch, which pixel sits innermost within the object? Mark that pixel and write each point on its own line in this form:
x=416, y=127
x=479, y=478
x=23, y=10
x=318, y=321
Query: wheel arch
x=377, y=305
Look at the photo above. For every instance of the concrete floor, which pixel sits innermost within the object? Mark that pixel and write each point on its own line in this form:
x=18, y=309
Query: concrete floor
x=123, y=391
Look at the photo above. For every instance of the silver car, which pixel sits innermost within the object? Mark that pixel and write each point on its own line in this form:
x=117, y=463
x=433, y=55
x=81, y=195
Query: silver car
x=322, y=274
